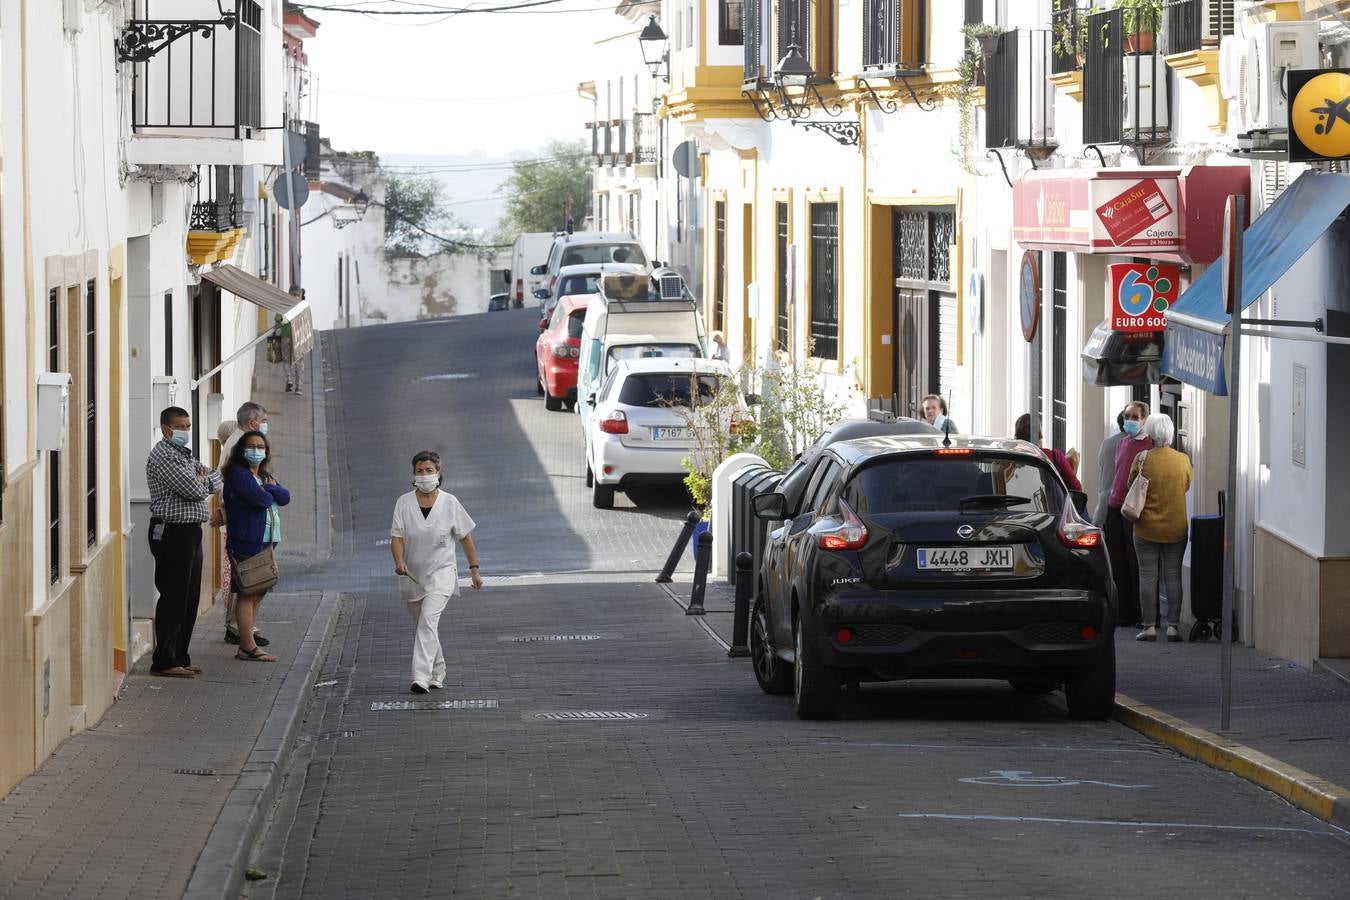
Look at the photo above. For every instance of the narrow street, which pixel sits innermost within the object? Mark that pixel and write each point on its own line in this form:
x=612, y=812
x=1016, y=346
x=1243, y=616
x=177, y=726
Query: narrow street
x=696, y=784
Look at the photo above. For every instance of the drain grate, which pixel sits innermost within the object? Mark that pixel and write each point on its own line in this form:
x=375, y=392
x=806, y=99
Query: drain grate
x=386, y=705
x=194, y=772
x=532, y=638
x=590, y=715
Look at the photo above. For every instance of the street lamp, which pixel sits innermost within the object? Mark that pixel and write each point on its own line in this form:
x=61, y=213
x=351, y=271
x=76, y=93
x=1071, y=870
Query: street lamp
x=794, y=71
x=654, y=52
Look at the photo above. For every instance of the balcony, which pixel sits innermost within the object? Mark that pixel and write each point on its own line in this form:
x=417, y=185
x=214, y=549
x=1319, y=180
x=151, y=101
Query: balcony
x=215, y=225
x=197, y=82
x=1019, y=100
x=646, y=139
x=1190, y=25
x=1127, y=88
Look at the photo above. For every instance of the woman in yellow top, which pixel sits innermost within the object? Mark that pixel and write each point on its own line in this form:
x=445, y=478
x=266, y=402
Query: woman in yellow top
x=1160, y=531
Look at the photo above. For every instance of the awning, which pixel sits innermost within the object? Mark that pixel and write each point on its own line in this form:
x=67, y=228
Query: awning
x=1197, y=324
x=251, y=288
x=1113, y=358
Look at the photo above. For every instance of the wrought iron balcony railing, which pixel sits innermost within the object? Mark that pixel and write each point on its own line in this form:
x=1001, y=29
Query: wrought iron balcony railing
x=200, y=74
x=645, y=138
x=1127, y=87
x=1019, y=100
x=1066, y=30
x=753, y=43
x=1195, y=24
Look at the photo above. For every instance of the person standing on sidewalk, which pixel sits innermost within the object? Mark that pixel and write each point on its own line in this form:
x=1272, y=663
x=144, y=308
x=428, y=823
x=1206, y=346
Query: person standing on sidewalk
x=1120, y=530
x=249, y=417
x=1160, y=530
x=179, y=488
x=933, y=410
x=1106, y=466
x=252, y=497
x=427, y=523
x=1022, y=432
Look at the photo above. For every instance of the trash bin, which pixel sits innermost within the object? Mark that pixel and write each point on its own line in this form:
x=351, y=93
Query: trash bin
x=1207, y=535
x=748, y=532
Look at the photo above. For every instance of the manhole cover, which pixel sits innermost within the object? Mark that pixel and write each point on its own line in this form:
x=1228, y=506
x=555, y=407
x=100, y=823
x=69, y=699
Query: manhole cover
x=384, y=705
x=194, y=771
x=531, y=638
x=590, y=715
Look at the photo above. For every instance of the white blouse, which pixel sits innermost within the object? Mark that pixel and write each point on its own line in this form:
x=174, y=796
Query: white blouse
x=429, y=544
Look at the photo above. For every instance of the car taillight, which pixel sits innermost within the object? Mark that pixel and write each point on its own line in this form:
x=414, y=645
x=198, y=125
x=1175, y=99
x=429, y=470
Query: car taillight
x=953, y=451
x=1074, y=532
x=520, y=289
x=849, y=534
x=561, y=350
x=615, y=423
x=737, y=425
x=574, y=352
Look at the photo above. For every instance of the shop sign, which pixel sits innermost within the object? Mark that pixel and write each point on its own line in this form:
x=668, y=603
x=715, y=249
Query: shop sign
x=1029, y=294
x=1140, y=215
x=1319, y=114
x=1140, y=294
x=1099, y=212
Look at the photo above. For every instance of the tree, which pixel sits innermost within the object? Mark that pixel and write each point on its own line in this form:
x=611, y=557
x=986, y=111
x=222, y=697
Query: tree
x=538, y=189
x=413, y=206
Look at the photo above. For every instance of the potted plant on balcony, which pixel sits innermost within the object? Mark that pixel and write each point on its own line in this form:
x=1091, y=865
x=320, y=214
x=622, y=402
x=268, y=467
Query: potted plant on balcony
x=982, y=42
x=1142, y=19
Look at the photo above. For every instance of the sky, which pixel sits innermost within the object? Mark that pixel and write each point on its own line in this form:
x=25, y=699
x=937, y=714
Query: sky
x=464, y=84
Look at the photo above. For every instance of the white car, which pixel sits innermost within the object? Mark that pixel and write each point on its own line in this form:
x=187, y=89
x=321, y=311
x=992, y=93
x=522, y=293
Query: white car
x=636, y=434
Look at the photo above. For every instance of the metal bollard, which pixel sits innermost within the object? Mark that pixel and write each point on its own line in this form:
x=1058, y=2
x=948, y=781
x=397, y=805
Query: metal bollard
x=701, y=563
x=681, y=542
x=740, y=628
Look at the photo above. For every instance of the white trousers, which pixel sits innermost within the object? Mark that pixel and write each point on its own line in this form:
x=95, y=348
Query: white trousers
x=428, y=663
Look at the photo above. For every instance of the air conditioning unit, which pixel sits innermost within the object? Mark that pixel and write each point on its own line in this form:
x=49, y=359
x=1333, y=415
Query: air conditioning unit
x=1273, y=49
x=1146, y=94
x=1216, y=21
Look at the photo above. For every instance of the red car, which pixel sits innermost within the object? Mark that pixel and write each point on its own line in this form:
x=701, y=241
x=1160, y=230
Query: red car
x=557, y=350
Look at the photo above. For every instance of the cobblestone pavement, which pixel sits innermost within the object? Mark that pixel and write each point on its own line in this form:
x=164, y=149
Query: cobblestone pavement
x=695, y=784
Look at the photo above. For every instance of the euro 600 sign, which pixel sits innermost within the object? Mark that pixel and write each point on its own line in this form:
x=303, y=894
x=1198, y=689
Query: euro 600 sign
x=1140, y=294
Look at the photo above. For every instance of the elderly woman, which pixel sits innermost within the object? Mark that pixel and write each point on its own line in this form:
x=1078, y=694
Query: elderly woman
x=1160, y=530
x=427, y=524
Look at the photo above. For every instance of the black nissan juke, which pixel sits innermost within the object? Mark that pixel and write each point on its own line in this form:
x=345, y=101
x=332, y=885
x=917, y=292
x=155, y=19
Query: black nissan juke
x=933, y=557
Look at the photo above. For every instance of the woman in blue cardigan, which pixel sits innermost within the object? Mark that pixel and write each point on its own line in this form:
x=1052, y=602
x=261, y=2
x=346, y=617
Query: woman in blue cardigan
x=251, y=498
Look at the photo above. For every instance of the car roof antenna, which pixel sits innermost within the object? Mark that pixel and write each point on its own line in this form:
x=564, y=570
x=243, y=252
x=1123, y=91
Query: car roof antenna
x=947, y=433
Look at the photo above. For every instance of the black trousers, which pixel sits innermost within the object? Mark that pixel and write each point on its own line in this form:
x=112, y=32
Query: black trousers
x=177, y=550
x=1124, y=566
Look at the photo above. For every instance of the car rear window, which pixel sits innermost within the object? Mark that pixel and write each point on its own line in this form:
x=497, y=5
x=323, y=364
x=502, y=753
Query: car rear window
x=921, y=483
x=578, y=284
x=575, y=322
x=604, y=253
x=668, y=389
x=652, y=351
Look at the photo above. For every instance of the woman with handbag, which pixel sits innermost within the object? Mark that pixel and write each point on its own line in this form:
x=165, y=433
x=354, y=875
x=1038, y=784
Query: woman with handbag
x=251, y=497
x=1158, y=481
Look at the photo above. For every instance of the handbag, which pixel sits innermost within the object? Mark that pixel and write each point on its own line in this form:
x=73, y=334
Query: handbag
x=1138, y=493
x=256, y=573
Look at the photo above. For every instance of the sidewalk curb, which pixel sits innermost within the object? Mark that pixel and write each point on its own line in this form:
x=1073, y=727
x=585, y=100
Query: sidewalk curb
x=323, y=511
x=1321, y=798
x=219, y=872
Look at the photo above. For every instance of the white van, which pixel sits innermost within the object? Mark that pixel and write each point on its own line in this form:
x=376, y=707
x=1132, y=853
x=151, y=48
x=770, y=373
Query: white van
x=636, y=317
x=530, y=250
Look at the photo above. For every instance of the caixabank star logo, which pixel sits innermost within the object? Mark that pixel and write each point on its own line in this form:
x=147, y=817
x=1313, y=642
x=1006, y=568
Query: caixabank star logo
x=1319, y=115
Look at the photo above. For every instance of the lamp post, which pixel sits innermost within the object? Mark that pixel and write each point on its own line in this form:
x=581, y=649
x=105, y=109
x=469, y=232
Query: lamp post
x=655, y=53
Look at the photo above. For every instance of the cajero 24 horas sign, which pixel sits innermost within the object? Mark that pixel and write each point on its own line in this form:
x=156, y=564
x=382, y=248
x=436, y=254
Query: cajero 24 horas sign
x=1099, y=211
x=1140, y=294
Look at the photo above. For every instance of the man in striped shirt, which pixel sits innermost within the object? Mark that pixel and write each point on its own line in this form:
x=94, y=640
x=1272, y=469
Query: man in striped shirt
x=179, y=489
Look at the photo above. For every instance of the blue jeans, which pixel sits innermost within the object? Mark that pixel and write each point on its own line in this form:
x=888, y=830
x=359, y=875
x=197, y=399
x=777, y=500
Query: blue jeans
x=1159, y=561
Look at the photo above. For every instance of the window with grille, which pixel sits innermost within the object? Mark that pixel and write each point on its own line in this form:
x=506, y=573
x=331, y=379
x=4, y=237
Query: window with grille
x=825, y=280
x=794, y=28
x=53, y=456
x=90, y=375
x=1059, y=349
x=168, y=332
x=729, y=16
x=719, y=264
x=781, y=299
x=894, y=34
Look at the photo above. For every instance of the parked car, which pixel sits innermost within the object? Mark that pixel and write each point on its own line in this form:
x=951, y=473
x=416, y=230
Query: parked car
x=580, y=279
x=932, y=557
x=636, y=434
x=499, y=302
x=556, y=352
x=528, y=253
x=590, y=248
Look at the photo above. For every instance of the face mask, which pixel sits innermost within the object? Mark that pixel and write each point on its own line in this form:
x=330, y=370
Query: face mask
x=1131, y=427
x=262, y=429
x=254, y=457
x=427, y=483
x=180, y=438
x=939, y=421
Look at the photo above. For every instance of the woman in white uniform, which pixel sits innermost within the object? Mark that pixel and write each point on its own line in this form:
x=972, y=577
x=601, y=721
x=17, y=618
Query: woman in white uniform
x=427, y=523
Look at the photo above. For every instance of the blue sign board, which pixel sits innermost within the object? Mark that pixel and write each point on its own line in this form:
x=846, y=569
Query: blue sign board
x=1195, y=357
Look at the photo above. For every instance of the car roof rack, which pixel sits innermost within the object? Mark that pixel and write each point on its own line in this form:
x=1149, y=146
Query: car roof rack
x=663, y=290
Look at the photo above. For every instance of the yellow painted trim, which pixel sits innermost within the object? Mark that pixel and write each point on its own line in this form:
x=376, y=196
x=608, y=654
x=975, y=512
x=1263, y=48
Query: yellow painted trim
x=710, y=273
x=1070, y=84
x=836, y=196
x=915, y=200
x=1201, y=68
x=1329, y=802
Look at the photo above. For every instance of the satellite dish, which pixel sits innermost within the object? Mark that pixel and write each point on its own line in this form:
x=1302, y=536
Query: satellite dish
x=290, y=190
x=685, y=159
